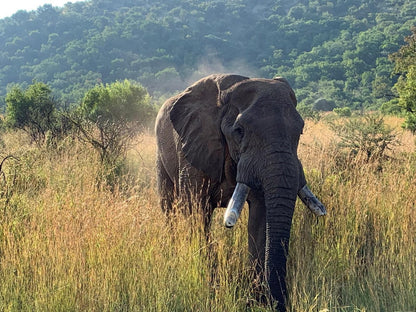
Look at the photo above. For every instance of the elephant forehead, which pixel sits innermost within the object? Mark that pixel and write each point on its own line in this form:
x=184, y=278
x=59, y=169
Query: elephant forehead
x=272, y=118
x=269, y=109
x=263, y=85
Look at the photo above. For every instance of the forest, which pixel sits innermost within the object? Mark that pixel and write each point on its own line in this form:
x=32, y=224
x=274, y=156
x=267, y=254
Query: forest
x=328, y=49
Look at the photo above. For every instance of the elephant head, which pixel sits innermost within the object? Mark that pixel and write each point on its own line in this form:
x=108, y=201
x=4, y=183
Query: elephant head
x=254, y=124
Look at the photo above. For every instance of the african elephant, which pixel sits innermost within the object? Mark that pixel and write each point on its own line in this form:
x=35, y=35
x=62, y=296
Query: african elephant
x=229, y=132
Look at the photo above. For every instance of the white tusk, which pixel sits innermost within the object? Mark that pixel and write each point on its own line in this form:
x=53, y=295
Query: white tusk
x=236, y=204
x=310, y=201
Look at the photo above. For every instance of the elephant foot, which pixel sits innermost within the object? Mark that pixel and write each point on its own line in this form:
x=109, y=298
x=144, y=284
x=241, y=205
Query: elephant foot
x=260, y=295
x=261, y=299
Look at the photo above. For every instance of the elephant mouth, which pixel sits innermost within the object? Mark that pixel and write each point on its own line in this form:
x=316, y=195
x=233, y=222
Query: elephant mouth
x=239, y=197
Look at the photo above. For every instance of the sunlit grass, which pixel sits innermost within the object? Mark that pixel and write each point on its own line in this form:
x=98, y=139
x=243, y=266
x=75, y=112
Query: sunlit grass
x=68, y=243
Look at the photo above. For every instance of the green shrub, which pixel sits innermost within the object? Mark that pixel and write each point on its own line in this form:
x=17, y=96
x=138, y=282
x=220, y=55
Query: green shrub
x=32, y=110
x=307, y=112
x=343, y=111
x=391, y=108
x=410, y=122
x=366, y=136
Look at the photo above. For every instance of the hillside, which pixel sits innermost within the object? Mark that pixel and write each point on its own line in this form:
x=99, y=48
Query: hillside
x=334, y=49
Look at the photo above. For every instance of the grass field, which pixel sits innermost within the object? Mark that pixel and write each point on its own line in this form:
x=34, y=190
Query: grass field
x=68, y=243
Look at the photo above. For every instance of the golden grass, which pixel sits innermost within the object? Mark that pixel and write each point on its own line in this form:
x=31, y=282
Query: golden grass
x=67, y=243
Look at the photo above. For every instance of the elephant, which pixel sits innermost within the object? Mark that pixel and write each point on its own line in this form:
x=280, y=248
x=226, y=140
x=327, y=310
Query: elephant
x=229, y=136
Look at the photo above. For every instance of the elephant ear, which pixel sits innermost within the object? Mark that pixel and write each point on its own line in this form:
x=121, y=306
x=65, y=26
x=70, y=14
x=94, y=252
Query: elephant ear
x=195, y=116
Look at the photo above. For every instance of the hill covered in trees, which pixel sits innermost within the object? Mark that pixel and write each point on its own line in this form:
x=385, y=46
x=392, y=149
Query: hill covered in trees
x=328, y=49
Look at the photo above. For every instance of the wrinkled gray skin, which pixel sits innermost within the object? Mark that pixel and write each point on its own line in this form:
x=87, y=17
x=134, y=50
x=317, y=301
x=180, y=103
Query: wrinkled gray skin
x=226, y=129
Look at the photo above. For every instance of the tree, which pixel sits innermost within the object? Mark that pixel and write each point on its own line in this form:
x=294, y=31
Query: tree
x=406, y=55
x=118, y=102
x=167, y=41
x=405, y=66
x=110, y=116
x=32, y=110
x=407, y=98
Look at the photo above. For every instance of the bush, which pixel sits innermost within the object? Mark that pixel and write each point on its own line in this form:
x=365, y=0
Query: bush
x=391, y=107
x=343, y=111
x=32, y=110
x=366, y=136
x=410, y=122
x=308, y=112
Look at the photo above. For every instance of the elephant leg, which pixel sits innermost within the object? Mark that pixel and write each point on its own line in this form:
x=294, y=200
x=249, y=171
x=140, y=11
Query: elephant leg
x=166, y=188
x=257, y=234
x=196, y=191
x=201, y=202
x=207, y=211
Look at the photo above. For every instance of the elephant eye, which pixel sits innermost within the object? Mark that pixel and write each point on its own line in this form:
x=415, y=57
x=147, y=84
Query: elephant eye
x=238, y=133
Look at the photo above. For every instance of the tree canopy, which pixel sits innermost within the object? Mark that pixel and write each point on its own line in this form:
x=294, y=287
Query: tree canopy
x=31, y=110
x=111, y=115
x=405, y=66
x=333, y=50
x=118, y=102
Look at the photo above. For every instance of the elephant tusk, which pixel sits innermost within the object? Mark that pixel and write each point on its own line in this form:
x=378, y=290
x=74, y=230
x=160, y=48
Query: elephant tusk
x=236, y=204
x=310, y=201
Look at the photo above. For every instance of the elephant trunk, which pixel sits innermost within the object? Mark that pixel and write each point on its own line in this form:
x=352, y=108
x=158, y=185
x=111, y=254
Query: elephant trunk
x=280, y=192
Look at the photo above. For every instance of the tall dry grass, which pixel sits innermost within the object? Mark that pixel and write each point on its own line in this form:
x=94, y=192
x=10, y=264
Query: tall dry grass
x=68, y=243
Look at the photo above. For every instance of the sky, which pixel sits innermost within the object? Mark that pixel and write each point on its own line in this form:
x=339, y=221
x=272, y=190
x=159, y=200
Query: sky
x=9, y=7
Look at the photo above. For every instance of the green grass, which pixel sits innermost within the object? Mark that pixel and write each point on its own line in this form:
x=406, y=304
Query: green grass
x=69, y=244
